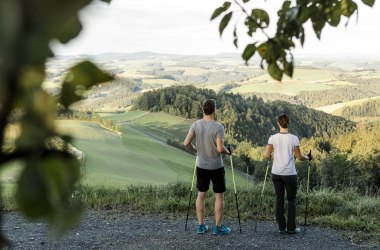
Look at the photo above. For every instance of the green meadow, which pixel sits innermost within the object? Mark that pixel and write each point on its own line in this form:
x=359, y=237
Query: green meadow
x=133, y=158
x=160, y=124
x=337, y=108
x=118, y=161
x=303, y=79
x=155, y=83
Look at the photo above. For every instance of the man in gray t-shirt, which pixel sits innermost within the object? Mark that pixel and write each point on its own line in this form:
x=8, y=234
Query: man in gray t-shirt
x=207, y=132
x=209, y=139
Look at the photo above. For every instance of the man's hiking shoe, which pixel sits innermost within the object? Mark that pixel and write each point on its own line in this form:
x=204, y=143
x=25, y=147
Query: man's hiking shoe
x=296, y=231
x=202, y=228
x=221, y=230
x=282, y=231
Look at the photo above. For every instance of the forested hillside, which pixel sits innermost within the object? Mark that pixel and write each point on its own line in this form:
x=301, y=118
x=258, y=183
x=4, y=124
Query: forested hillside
x=249, y=119
x=367, y=109
x=348, y=160
x=361, y=88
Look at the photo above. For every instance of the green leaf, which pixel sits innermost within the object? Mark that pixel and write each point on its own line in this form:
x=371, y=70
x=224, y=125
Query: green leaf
x=334, y=18
x=262, y=49
x=275, y=71
x=46, y=185
x=81, y=77
x=369, y=2
x=246, y=1
x=223, y=24
x=235, y=38
x=258, y=19
x=249, y=51
x=220, y=10
x=292, y=14
x=304, y=14
x=107, y=1
x=302, y=38
x=288, y=68
x=286, y=5
x=32, y=192
x=47, y=19
x=348, y=7
x=285, y=42
x=261, y=17
x=71, y=28
x=318, y=26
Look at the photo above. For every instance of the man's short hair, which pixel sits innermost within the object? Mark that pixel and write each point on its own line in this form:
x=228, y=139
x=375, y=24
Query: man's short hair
x=209, y=106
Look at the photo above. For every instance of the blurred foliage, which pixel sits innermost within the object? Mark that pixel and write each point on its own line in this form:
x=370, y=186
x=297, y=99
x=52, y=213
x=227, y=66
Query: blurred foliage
x=27, y=27
x=276, y=51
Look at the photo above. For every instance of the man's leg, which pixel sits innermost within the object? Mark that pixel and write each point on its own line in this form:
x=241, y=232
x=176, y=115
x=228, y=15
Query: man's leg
x=219, y=186
x=219, y=204
x=203, y=182
x=200, y=207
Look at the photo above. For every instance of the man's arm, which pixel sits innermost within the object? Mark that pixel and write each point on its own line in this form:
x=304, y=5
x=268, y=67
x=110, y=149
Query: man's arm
x=189, y=138
x=220, y=146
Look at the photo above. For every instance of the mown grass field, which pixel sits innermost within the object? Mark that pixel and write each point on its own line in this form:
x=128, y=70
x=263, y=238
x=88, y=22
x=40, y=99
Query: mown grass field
x=284, y=87
x=115, y=161
x=154, y=83
x=337, y=108
x=188, y=70
x=160, y=124
x=303, y=80
x=134, y=158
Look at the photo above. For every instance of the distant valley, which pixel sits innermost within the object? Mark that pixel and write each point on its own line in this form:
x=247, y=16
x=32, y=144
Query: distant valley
x=324, y=84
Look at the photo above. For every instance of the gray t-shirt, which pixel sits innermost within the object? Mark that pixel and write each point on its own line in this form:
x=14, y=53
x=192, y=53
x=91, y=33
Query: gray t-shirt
x=206, y=133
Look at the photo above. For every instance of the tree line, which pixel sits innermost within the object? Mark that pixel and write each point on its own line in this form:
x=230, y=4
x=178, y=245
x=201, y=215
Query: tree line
x=249, y=119
x=73, y=114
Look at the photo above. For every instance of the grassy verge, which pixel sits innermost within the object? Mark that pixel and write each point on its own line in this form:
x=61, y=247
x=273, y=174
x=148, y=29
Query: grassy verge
x=344, y=210
x=327, y=208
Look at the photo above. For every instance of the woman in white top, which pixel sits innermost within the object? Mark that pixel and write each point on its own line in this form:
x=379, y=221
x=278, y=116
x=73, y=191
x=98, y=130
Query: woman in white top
x=284, y=175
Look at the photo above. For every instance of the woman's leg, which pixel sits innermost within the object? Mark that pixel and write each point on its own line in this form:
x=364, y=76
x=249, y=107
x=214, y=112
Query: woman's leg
x=280, y=194
x=291, y=192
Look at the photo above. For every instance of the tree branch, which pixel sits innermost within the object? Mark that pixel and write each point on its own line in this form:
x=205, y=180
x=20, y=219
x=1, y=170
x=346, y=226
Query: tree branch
x=249, y=16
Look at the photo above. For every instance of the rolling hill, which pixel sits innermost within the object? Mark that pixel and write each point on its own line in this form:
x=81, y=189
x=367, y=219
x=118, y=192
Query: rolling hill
x=134, y=158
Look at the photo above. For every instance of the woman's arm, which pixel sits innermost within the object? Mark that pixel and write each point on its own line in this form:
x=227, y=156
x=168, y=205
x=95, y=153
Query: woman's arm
x=269, y=151
x=299, y=156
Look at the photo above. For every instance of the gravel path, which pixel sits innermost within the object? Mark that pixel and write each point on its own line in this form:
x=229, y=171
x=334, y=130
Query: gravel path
x=122, y=230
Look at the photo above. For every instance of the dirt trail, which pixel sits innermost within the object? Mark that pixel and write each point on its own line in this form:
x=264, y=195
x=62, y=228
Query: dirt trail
x=121, y=230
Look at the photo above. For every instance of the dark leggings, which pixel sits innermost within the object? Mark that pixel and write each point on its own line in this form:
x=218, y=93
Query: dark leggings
x=288, y=183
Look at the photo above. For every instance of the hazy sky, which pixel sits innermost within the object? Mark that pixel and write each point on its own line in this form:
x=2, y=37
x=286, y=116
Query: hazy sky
x=184, y=27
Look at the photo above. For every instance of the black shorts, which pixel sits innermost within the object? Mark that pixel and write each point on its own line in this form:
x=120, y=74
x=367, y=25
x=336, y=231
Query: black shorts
x=217, y=177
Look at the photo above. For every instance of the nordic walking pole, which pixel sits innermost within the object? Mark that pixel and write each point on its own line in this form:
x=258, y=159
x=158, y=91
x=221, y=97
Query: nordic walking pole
x=233, y=179
x=307, y=192
x=191, y=192
x=262, y=195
